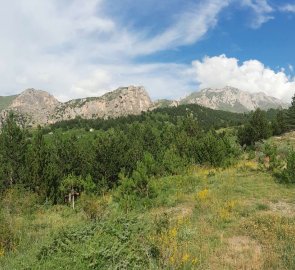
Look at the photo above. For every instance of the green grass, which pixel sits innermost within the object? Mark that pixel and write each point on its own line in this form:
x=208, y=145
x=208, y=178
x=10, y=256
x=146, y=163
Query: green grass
x=237, y=218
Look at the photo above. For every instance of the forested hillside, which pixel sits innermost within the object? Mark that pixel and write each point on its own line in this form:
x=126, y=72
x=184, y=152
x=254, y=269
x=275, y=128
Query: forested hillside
x=206, y=118
x=156, y=191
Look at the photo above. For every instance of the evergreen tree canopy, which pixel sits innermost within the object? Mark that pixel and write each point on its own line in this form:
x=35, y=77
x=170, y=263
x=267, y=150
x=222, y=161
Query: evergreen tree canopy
x=258, y=128
x=290, y=117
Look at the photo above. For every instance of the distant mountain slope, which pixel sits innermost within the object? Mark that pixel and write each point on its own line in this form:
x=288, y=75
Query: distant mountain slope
x=233, y=99
x=164, y=103
x=123, y=101
x=5, y=101
x=207, y=118
x=38, y=107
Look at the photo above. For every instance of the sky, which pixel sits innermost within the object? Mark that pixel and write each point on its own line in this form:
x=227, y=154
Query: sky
x=80, y=48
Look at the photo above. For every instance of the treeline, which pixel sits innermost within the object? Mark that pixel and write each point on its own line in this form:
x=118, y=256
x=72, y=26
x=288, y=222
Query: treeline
x=50, y=165
x=261, y=125
x=207, y=119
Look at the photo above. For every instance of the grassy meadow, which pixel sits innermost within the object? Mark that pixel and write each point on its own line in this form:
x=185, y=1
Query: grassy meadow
x=234, y=218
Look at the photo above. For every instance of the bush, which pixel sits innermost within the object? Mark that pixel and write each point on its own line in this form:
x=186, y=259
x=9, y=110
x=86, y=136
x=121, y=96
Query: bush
x=137, y=187
x=172, y=163
x=288, y=174
x=16, y=201
x=270, y=159
x=8, y=239
x=93, y=207
x=216, y=150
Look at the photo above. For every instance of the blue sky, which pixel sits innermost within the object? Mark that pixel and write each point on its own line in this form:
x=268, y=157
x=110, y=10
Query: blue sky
x=75, y=48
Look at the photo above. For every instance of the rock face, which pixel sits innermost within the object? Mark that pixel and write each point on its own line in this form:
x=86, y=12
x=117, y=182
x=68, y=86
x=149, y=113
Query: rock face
x=36, y=105
x=123, y=101
x=164, y=103
x=233, y=99
x=40, y=108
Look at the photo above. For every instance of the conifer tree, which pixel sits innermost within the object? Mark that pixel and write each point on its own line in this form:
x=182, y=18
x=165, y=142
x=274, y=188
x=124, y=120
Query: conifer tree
x=13, y=152
x=37, y=162
x=279, y=125
x=291, y=115
x=258, y=128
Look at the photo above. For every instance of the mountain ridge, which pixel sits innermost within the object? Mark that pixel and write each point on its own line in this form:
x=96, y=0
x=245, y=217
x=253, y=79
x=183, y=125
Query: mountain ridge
x=233, y=99
x=41, y=108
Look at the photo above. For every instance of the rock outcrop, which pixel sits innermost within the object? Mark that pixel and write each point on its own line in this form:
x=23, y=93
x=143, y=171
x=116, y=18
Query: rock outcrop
x=233, y=99
x=38, y=107
x=123, y=101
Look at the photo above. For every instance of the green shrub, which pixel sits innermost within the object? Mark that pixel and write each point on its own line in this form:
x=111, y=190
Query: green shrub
x=217, y=150
x=137, y=187
x=64, y=240
x=93, y=207
x=120, y=243
x=172, y=163
x=270, y=159
x=288, y=174
x=8, y=238
x=16, y=201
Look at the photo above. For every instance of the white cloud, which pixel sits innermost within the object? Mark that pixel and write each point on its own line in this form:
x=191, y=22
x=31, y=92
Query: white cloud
x=262, y=11
x=287, y=8
x=189, y=28
x=73, y=49
x=252, y=76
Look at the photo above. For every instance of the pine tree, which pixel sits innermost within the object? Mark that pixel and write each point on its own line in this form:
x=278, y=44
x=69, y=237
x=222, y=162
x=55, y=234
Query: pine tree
x=258, y=128
x=36, y=163
x=290, y=117
x=13, y=152
x=279, y=125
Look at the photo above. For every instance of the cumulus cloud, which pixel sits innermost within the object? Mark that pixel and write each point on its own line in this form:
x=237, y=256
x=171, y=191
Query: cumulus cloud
x=75, y=49
x=252, y=76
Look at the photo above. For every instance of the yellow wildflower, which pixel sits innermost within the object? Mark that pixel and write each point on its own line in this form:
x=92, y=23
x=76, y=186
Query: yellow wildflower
x=1, y=252
x=185, y=257
x=203, y=194
x=173, y=232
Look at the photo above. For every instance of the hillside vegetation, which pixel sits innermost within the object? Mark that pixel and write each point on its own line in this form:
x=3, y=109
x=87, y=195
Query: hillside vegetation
x=207, y=118
x=165, y=191
x=5, y=101
x=236, y=218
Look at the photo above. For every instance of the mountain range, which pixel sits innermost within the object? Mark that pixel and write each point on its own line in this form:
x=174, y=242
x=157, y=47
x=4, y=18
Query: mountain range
x=39, y=107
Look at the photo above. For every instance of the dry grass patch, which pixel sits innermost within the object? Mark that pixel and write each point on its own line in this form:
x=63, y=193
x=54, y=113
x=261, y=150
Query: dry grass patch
x=283, y=208
x=244, y=253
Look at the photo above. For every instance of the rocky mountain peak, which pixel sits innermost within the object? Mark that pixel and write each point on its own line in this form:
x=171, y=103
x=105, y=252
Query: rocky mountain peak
x=122, y=101
x=35, y=98
x=233, y=99
x=36, y=105
x=40, y=107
